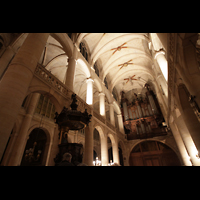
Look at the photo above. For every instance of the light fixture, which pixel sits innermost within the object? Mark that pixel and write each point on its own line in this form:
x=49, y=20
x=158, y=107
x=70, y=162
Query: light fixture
x=29, y=156
x=111, y=163
x=97, y=162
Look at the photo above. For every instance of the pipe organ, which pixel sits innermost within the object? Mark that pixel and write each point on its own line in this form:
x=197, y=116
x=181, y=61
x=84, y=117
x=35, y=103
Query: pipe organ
x=142, y=117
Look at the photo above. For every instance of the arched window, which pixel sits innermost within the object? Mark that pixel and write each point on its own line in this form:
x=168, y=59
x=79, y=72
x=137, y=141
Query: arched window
x=114, y=92
x=96, y=69
x=106, y=83
x=83, y=50
x=45, y=107
x=96, y=134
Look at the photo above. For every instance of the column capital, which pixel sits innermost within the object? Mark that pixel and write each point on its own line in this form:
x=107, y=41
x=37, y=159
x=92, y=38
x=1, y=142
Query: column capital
x=101, y=94
x=89, y=80
x=161, y=51
x=119, y=115
x=72, y=59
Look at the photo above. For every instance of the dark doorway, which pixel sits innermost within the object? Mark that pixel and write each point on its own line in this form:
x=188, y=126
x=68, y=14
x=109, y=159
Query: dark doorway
x=38, y=136
x=110, y=155
x=94, y=155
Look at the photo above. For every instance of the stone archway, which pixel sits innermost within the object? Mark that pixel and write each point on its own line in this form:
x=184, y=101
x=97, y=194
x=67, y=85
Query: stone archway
x=153, y=153
x=104, y=145
x=114, y=148
x=40, y=138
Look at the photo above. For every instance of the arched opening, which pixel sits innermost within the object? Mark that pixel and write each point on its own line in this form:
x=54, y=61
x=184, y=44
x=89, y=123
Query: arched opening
x=121, y=149
x=110, y=151
x=121, y=160
x=110, y=154
x=36, y=149
x=113, y=155
x=153, y=153
x=95, y=155
x=83, y=50
x=97, y=145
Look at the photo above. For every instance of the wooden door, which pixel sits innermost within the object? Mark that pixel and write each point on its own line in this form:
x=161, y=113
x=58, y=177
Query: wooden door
x=152, y=161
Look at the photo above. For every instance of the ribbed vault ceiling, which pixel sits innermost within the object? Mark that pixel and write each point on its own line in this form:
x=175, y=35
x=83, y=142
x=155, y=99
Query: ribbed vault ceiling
x=124, y=59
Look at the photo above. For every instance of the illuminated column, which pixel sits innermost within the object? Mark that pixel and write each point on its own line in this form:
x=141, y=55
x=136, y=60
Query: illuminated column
x=187, y=139
x=115, y=153
x=120, y=121
x=180, y=144
x=70, y=74
x=112, y=114
x=162, y=61
x=102, y=104
x=15, y=83
x=104, y=151
x=89, y=97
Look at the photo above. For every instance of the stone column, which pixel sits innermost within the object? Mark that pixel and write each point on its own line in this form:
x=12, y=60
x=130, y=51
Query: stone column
x=102, y=104
x=5, y=59
x=70, y=74
x=104, y=151
x=190, y=119
x=120, y=121
x=89, y=97
x=162, y=61
x=115, y=152
x=112, y=114
x=21, y=140
x=180, y=144
x=187, y=139
x=163, y=90
x=15, y=82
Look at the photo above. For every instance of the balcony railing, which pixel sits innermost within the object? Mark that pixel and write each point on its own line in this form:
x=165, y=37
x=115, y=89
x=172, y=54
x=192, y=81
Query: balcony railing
x=54, y=82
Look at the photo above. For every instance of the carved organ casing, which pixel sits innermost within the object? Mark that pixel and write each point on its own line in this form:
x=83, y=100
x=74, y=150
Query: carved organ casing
x=142, y=117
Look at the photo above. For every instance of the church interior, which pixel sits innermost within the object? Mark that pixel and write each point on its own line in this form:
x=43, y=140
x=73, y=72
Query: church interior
x=108, y=99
